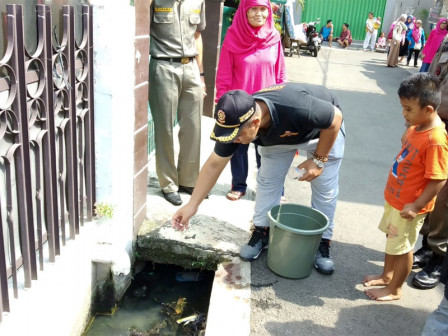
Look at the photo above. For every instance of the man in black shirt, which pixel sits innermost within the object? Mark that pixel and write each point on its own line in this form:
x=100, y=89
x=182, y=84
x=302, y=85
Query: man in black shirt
x=280, y=119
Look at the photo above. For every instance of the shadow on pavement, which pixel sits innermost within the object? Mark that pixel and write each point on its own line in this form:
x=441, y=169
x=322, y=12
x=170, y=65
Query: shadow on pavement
x=332, y=304
x=352, y=263
x=385, y=319
x=219, y=189
x=387, y=78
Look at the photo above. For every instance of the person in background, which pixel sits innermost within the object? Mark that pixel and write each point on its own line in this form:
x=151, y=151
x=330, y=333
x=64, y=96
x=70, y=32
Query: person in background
x=418, y=173
x=376, y=26
x=404, y=47
x=390, y=33
x=326, y=32
x=372, y=25
x=251, y=58
x=177, y=87
x=432, y=44
x=381, y=43
x=345, y=39
x=397, y=36
x=416, y=38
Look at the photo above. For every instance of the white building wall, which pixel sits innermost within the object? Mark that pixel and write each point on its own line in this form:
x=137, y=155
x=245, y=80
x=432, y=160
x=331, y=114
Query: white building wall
x=114, y=31
x=395, y=8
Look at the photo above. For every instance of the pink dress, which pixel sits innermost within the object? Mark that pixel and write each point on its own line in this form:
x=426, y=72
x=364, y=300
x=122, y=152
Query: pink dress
x=250, y=71
x=382, y=42
x=251, y=58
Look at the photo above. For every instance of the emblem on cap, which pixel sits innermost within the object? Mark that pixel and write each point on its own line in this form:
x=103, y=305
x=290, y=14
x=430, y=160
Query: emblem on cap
x=221, y=117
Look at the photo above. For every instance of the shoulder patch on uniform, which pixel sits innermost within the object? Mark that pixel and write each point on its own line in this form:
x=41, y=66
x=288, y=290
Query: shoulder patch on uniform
x=288, y=134
x=163, y=9
x=272, y=88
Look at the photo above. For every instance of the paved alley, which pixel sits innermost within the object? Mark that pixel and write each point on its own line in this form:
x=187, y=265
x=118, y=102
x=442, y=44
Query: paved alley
x=336, y=305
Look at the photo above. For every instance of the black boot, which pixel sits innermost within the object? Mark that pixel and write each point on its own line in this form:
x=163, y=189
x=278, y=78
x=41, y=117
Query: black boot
x=429, y=276
x=422, y=255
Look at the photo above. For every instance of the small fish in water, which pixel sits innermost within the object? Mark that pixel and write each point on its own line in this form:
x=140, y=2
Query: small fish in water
x=180, y=305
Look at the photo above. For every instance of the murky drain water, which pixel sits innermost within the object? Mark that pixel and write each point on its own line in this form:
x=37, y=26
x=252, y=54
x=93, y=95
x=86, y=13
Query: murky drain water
x=161, y=300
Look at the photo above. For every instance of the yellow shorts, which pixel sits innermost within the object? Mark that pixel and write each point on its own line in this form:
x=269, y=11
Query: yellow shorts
x=401, y=233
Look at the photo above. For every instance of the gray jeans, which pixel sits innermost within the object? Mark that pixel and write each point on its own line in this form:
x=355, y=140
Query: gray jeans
x=437, y=323
x=275, y=162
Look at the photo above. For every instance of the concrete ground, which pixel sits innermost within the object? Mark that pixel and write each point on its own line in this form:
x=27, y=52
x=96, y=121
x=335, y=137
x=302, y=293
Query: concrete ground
x=336, y=304
x=248, y=298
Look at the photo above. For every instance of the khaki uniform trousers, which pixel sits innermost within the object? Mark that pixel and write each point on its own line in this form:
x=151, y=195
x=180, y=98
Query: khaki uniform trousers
x=436, y=224
x=176, y=88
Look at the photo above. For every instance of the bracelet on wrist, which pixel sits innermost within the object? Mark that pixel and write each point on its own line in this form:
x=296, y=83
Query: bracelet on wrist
x=320, y=157
x=202, y=74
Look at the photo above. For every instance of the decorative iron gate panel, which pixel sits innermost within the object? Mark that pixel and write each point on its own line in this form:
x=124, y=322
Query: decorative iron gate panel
x=46, y=143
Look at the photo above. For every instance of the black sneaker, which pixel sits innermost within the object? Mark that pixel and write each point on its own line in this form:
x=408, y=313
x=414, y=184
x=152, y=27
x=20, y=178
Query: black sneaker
x=429, y=276
x=422, y=257
x=324, y=262
x=257, y=243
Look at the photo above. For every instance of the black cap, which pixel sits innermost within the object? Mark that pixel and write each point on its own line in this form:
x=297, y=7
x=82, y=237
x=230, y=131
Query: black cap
x=233, y=109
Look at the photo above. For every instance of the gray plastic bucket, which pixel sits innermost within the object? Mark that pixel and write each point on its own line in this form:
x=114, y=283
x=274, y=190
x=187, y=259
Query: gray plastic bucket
x=294, y=237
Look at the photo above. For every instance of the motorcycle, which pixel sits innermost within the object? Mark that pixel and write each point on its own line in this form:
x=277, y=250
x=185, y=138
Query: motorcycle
x=313, y=40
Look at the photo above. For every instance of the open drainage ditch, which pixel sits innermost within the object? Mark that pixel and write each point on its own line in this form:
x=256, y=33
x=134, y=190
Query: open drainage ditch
x=161, y=300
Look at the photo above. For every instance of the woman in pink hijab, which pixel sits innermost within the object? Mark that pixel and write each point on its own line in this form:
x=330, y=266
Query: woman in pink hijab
x=251, y=59
x=432, y=44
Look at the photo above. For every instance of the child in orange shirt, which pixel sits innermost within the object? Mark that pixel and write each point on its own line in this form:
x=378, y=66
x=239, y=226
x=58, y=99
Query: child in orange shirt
x=418, y=173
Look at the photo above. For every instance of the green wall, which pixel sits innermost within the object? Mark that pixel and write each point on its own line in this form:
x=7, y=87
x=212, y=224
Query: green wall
x=227, y=16
x=353, y=12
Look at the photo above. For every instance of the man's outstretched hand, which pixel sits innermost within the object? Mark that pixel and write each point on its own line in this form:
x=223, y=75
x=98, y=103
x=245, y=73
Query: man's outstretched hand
x=182, y=217
x=206, y=180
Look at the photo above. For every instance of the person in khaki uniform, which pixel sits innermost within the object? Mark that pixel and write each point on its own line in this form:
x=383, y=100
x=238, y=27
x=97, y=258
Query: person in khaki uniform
x=176, y=87
x=435, y=228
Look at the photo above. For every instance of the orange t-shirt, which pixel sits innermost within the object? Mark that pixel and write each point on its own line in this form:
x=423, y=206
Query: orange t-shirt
x=423, y=157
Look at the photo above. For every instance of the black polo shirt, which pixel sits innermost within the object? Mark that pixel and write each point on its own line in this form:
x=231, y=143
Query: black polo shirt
x=298, y=113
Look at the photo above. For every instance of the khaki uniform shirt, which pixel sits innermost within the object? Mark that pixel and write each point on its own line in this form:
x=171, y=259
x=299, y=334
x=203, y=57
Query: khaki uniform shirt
x=439, y=67
x=173, y=25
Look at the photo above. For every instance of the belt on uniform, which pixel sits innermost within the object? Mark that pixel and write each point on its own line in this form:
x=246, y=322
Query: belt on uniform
x=183, y=60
